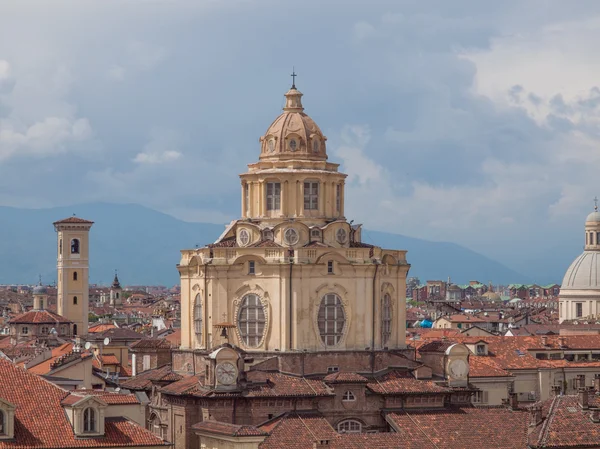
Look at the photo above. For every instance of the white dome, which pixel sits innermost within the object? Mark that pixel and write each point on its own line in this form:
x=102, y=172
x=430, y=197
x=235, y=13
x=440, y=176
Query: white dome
x=593, y=217
x=584, y=273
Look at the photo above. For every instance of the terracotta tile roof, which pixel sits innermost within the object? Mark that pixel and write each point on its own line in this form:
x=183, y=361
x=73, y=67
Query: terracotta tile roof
x=118, y=333
x=228, y=242
x=100, y=328
x=108, y=359
x=398, y=382
x=186, y=385
x=143, y=381
x=481, y=366
x=342, y=377
x=360, y=245
x=565, y=424
x=73, y=219
x=151, y=343
x=373, y=441
x=297, y=431
x=436, y=345
x=41, y=422
x=463, y=427
x=174, y=337
x=47, y=365
x=233, y=430
x=39, y=317
x=107, y=396
x=459, y=318
x=282, y=385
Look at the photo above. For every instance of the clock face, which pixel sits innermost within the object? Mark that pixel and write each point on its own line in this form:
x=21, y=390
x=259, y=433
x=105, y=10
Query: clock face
x=226, y=373
x=458, y=369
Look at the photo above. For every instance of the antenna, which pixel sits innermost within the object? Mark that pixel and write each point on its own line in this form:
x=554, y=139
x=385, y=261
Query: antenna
x=106, y=341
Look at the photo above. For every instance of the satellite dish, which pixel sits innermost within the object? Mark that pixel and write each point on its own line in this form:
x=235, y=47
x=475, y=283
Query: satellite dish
x=88, y=345
x=106, y=341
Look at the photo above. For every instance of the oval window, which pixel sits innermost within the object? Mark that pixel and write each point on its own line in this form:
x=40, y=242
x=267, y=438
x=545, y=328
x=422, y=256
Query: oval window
x=293, y=145
x=244, y=237
x=331, y=319
x=341, y=235
x=251, y=320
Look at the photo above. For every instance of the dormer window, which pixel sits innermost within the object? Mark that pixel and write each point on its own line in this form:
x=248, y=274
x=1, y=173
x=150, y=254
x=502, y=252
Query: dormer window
x=75, y=246
x=7, y=420
x=315, y=233
x=89, y=420
x=480, y=349
x=348, y=397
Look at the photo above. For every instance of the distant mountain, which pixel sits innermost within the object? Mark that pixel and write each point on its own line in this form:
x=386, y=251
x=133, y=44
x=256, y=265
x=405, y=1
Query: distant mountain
x=144, y=246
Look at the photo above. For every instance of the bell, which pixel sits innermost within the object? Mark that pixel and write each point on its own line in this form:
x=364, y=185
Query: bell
x=224, y=332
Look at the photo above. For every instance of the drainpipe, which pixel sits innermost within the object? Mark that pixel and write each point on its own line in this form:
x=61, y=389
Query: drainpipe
x=373, y=319
x=291, y=254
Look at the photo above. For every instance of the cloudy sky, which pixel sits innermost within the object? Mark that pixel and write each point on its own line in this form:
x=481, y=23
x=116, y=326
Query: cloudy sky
x=475, y=122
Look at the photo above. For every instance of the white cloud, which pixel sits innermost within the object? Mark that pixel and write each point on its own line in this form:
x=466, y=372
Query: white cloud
x=157, y=158
x=4, y=70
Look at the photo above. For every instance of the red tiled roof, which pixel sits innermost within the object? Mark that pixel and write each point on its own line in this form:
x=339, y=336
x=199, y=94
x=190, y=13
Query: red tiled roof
x=73, y=219
x=151, y=343
x=342, y=377
x=228, y=242
x=39, y=317
x=41, y=422
x=297, y=431
x=285, y=385
x=398, y=382
x=233, y=430
x=107, y=396
x=266, y=244
x=436, y=345
x=463, y=427
x=144, y=380
x=481, y=366
x=108, y=359
x=100, y=328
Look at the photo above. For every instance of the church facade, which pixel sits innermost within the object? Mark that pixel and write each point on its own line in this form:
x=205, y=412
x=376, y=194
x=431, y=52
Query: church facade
x=292, y=273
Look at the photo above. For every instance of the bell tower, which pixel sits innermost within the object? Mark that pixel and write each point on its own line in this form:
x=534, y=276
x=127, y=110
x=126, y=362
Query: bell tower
x=72, y=264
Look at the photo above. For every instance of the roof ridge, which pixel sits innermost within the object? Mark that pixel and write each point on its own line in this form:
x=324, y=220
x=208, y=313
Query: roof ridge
x=543, y=437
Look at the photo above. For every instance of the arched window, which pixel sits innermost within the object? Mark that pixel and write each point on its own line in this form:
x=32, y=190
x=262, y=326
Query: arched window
x=315, y=233
x=89, y=420
x=74, y=275
x=75, y=246
x=74, y=300
x=3, y=426
x=348, y=397
x=251, y=320
x=154, y=425
x=311, y=195
x=198, y=318
x=349, y=426
x=386, y=319
x=331, y=319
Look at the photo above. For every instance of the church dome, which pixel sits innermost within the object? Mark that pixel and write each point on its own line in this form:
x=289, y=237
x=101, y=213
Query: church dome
x=593, y=217
x=584, y=273
x=293, y=135
x=40, y=290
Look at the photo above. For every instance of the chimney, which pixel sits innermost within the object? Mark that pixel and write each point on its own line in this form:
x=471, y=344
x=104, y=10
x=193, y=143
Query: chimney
x=535, y=415
x=583, y=398
x=597, y=383
x=321, y=444
x=556, y=390
x=514, y=401
x=544, y=340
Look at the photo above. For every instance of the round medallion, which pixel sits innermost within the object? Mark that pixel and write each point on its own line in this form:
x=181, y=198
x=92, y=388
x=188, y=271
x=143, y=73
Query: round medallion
x=341, y=235
x=244, y=237
x=458, y=369
x=293, y=145
x=226, y=373
x=291, y=236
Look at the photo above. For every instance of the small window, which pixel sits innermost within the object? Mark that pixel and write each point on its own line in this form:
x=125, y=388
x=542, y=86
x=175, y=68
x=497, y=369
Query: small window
x=293, y=145
x=386, y=319
x=74, y=300
x=25, y=330
x=89, y=420
x=198, y=318
x=251, y=267
x=348, y=397
x=480, y=350
x=75, y=246
x=330, y=267
x=60, y=247
x=338, y=197
x=315, y=233
x=74, y=275
x=578, y=309
x=350, y=426
x=146, y=362
x=332, y=369
x=316, y=145
x=44, y=330
x=3, y=426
